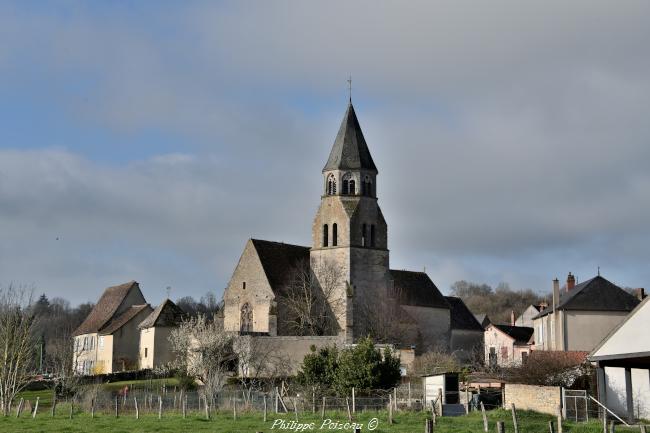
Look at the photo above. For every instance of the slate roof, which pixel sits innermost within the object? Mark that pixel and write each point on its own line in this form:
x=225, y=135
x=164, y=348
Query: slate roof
x=521, y=334
x=124, y=318
x=165, y=315
x=350, y=151
x=105, y=308
x=461, y=317
x=417, y=289
x=596, y=294
x=278, y=259
x=483, y=319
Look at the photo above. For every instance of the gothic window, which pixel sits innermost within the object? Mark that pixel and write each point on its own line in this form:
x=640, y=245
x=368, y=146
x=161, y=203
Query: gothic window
x=344, y=191
x=351, y=187
x=325, y=233
x=331, y=185
x=372, y=235
x=334, y=235
x=348, y=184
x=246, y=321
x=369, y=189
x=363, y=188
x=363, y=235
x=366, y=187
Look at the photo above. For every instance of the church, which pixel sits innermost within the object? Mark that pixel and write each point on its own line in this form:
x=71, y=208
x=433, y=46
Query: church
x=348, y=290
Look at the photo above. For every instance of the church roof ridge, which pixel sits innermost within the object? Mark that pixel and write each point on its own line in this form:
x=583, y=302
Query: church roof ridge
x=350, y=151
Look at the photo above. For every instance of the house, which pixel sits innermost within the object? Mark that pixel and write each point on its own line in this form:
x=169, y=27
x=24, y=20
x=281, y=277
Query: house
x=526, y=317
x=466, y=339
x=107, y=341
x=483, y=319
x=506, y=345
x=347, y=268
x=582, y=316
x=155, y=329
x=623, y=361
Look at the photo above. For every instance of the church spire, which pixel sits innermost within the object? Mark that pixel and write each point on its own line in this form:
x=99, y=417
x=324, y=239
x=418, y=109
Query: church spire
x=350, y=151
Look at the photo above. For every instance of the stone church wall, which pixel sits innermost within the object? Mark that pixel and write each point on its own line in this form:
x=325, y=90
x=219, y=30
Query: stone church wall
x=289, y=351
x=433, y=324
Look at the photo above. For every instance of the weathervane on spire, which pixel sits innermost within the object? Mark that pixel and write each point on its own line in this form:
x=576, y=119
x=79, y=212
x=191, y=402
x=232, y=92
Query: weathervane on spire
x=350, y=88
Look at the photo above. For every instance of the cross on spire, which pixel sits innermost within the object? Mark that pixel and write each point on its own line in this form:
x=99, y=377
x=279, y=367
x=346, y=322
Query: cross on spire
x=350, y=88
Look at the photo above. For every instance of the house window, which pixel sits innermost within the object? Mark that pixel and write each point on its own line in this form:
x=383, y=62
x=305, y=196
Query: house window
x=492, y=357
x=246, y=321
x=524, y=357
x=334, y=234
x=146, y=351
x=504, y=354
x=325, y=234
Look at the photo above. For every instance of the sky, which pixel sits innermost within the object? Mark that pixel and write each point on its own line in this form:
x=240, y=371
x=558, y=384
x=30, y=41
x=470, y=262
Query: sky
x=149, y=140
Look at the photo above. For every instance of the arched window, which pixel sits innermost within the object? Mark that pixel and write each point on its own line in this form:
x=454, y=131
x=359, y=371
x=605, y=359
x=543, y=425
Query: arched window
x=246, y=319
x=348, y=184
x=363, y=235
x=369, y=189
x=334, y=235
x=363, y=188
x=351, y=188
x=372, y=235
x=331, y=185
x=344, y=191
x=325, y=233
x=366, y=186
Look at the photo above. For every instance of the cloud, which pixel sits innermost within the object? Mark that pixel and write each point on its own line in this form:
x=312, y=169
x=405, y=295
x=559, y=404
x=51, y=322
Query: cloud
x=511, y=138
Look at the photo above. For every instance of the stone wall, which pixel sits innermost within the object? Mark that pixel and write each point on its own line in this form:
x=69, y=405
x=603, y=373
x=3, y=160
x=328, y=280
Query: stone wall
x=544, y=399
x=290, y=351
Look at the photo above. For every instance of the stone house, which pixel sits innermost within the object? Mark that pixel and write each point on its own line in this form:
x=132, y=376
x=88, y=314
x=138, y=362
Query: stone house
x=623, y=365
x=582, y=316
x=107, y=340
x=350, y=236
x=155, y=329
x=506, y=345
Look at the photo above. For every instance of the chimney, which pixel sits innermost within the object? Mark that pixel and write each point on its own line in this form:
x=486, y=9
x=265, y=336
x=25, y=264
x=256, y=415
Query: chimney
x=570, y=282
x=512, y=318
x=543, y=306
x=556, y=293
x=640, y=293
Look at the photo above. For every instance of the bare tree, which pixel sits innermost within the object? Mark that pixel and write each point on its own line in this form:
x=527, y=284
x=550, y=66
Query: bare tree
x=384, y=320
x=17, y=344
x=204, y=351
x=312, y=298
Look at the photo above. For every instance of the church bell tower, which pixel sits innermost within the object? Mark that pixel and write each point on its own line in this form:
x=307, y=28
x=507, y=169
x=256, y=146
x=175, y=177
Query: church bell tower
x=349, y=253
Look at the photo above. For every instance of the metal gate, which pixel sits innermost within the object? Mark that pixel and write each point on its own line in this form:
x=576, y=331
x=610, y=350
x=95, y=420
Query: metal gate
x=575, y=405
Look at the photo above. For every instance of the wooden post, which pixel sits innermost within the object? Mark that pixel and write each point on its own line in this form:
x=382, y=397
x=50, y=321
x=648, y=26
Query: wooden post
x=501, y=427
x=395, y=397
x=234, y=408
x=117, y=408
x=53, y=404
x=551, y=427
x=322, y=409
x=295, y=408
x=642, y=428
x=159, y=407
x=184, y=403
x=174, y=403
x=347, y=404
x=486, y=427
x=313, y=400
x=354, y=405
x=514, y=418
x=92, y=408
x=604, y=421
x=440, y=401
x=428, y=425
x=137, y=411
x=390, y=409
x=612, y=427
x=207, y=411
x=408, y=402
x=466, y=399
x=35, y=408
x=264, y=407
x=71, y=408
x=276, y=399
x=559, y=419
x=19, y=408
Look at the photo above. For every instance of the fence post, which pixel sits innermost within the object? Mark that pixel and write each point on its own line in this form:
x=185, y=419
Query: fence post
x=276, y=399
x=514, y=418
x=390, y=409
x=559, y=419
x=440, y=401
x=92, y=408
x=234, y=408
x=19, y=408
x=428, y=425
x=354, y=406
x=395, y=397
x=207, y=411
x=612, y=427
x=184, y=403
x=466, y=400
x=35, y=408
x=485, y=420
x=295, y=408
x=408, y=402
x=347, y=404
x=322, y=410
x=501, y=427
x=604, y=421
x=551, y=427
x=159, y=407
x=53, y=404
x=642, y=428
x=117, y=406
x=137, y=411
x=264, y=407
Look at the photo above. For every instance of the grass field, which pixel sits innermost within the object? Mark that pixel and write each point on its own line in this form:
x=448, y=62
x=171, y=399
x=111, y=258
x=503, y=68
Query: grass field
x=411, y=422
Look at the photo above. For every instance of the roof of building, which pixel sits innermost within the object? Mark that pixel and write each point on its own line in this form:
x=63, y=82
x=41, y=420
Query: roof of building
x=278, y=259
x=124, y=318
x=596, y=294
x=103, y=312
x=417, y=289
x=483, y=319
x=165, y=315
x=350, y=151
x=461, y=317
x=521, y=334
